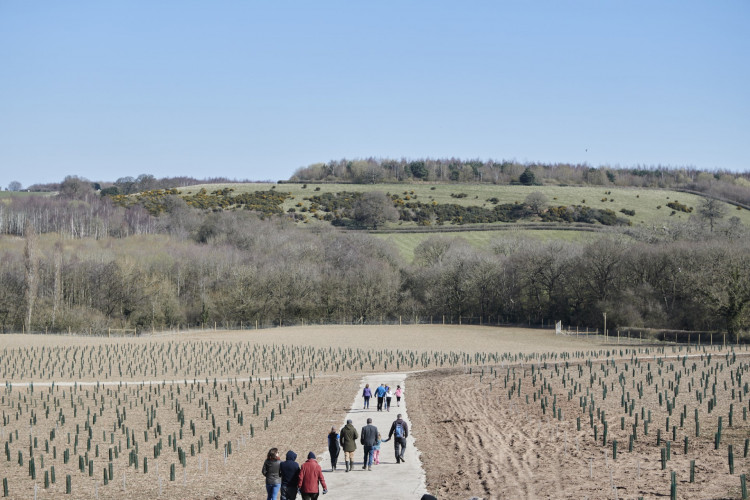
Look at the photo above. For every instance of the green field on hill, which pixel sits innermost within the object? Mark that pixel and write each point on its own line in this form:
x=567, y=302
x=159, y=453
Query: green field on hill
x=650, y=205
x=19, y=194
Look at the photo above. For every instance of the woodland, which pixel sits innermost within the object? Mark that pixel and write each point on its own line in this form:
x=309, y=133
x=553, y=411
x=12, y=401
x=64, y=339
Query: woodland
x=77, y=259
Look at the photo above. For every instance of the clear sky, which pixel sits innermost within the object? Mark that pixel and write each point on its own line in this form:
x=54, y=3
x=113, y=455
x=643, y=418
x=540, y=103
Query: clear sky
x=256, y=89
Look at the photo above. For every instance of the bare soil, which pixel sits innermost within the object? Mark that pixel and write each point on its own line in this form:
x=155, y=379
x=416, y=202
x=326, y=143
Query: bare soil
x=474, y=440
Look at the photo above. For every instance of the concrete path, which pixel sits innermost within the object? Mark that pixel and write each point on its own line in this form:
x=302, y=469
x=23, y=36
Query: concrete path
x=389, y=480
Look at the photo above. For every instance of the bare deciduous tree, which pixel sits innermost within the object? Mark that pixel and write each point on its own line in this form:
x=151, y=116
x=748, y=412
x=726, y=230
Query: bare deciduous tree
x=374, y=209
x=537, y=202
x=712, y=210
x=31, y=278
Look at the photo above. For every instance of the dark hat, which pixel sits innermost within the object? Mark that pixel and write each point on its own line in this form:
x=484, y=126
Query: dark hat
x=310, y=455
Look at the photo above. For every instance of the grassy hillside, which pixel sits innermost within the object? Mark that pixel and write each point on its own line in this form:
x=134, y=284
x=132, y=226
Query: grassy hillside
x=19, y=194
x=405, y=243
x=650, y=205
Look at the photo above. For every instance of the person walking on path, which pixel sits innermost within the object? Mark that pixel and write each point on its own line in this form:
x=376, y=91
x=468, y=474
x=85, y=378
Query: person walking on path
x=272, y=473
x=399, y=393
x=380, y=393
x=399, y=431
x=369, y=437
x=309, y=476
x=388, y=397
x=376, y=451
x=334, y=448
x=289, y=470
x=366, y=394
x=348, y=442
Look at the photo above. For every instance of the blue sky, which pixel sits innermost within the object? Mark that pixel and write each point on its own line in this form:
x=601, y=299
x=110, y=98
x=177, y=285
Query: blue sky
x=254, y=90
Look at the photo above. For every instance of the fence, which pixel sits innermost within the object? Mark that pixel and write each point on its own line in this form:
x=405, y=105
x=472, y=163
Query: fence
x=622, y=335
x=652, y=335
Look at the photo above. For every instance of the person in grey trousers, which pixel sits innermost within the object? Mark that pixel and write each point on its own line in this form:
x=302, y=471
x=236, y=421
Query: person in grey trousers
x=368, y=438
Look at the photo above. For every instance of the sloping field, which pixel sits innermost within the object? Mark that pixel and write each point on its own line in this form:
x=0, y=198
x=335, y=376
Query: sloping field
x=650, y=205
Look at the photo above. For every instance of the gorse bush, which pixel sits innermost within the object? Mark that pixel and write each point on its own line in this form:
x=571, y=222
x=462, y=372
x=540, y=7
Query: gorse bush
x=677, y=206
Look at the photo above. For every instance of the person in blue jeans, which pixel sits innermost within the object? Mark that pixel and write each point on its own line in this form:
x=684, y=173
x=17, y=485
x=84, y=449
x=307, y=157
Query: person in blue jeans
x=272, y=472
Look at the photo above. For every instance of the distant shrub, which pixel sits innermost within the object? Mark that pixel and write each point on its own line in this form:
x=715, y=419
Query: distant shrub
x=317, y=188
x=459, y=195
x=676, y=205
x=628, y=212
x=495, y=201
x=433, y=188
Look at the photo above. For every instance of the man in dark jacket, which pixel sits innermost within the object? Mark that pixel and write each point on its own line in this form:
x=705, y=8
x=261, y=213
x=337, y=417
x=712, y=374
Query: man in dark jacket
x=400, y=431
x=369, y=437
x=348, y=439
x=309, y=476
x=289, y=470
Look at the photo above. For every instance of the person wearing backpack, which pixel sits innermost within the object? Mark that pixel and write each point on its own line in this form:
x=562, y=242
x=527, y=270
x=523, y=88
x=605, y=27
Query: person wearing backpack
x=399, y=431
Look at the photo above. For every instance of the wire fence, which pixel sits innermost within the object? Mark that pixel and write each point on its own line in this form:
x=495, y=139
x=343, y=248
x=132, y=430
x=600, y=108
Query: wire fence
x=625, y=335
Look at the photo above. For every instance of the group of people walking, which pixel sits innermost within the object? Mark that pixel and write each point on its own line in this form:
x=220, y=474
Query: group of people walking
x=384, y=396
x=288, y=477
x=370, y=439
x=285, y=479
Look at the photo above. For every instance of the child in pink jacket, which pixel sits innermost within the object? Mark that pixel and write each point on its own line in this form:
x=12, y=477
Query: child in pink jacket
x=376, y=451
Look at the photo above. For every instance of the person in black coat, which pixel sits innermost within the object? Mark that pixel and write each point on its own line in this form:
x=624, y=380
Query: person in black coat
x=368, y=438
x=289, y=471
x=334, y=448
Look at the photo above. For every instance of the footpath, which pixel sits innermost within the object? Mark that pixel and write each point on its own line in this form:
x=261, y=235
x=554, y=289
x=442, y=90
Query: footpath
x=388, y=480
